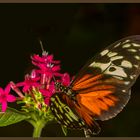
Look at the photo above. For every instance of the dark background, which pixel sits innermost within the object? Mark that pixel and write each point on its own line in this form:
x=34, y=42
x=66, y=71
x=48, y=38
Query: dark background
x=73, y=33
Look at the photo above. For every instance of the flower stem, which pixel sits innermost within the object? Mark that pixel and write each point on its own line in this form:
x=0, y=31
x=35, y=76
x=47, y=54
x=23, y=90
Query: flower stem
x=38, y=126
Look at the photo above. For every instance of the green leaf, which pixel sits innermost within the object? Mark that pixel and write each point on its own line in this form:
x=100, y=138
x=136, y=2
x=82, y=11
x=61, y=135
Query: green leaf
x=64, y=129
x=12, y=116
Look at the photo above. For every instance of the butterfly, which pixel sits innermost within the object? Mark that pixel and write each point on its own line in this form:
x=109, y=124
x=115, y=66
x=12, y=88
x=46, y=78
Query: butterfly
x=101, y=89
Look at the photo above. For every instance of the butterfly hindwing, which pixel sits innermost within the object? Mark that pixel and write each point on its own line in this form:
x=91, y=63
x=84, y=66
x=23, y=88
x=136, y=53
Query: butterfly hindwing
x=104, y=97
x=64, y=113
x=64, y=110
x=103, y=84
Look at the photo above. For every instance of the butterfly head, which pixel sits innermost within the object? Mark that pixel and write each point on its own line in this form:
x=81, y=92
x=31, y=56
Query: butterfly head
x=58, y=85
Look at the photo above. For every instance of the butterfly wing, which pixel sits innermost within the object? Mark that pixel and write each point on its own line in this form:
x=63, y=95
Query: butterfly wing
x=63, y=112
x=103, y=84
x=63, y=109
x=101, y=88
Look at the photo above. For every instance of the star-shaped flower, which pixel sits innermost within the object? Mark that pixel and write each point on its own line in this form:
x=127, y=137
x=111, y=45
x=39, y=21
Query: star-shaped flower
x=5, y=97
x=29, y=82
x=47, y=92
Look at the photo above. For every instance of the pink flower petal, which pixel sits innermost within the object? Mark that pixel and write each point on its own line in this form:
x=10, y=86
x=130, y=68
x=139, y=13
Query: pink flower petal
x=1, y=91
x=33, y=74
x=51, y=87
x=7, y=89
x=35, y=79
x=47, y=101
x=66, y=79
x=36, y=84
x=20, y=84
x=25, y=88
x=35, y=63
x=11, y=98
x=36, y=58
x=55, y=68
x=50, y=57
x=1, y=100
x=4, y=106
x=44, y=92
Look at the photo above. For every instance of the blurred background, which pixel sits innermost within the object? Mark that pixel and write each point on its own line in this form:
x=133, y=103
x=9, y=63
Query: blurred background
x=73, y=33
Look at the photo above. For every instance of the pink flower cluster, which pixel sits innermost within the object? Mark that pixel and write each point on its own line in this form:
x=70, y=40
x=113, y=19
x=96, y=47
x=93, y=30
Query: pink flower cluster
x=43, y=78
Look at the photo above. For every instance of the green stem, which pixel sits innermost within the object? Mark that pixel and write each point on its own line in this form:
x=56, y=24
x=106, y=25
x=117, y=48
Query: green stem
x=38, y=125
x=38, y=129
x=39, y=122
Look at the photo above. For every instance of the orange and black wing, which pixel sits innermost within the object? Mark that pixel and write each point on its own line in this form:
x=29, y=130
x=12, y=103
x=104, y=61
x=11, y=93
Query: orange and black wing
x=103, y=84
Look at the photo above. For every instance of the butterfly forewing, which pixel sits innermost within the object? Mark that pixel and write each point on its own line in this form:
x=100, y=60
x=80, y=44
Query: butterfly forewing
x=103, y=84
x=120, y=60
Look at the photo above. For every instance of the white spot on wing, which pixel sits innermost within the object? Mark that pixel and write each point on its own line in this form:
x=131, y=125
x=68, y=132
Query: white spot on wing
x=136, y=45
x=104, y=52
x=131, y=77
x=123, y=90
x=127, y=82
x=118, y=72
x=102, y=66
x=132, y=50
x=120, y=78
x=116, y=57
x=126, y=64
x=136, y=66
x=126, y=45
x=110, y=54
x=126, y=41
x=137, y=57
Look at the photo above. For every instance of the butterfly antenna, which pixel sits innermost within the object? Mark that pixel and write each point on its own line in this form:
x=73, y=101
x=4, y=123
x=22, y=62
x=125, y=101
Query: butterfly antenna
x=72, y=80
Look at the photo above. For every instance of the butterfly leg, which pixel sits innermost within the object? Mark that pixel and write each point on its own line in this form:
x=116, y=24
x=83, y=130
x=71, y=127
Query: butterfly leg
x=87, y=133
